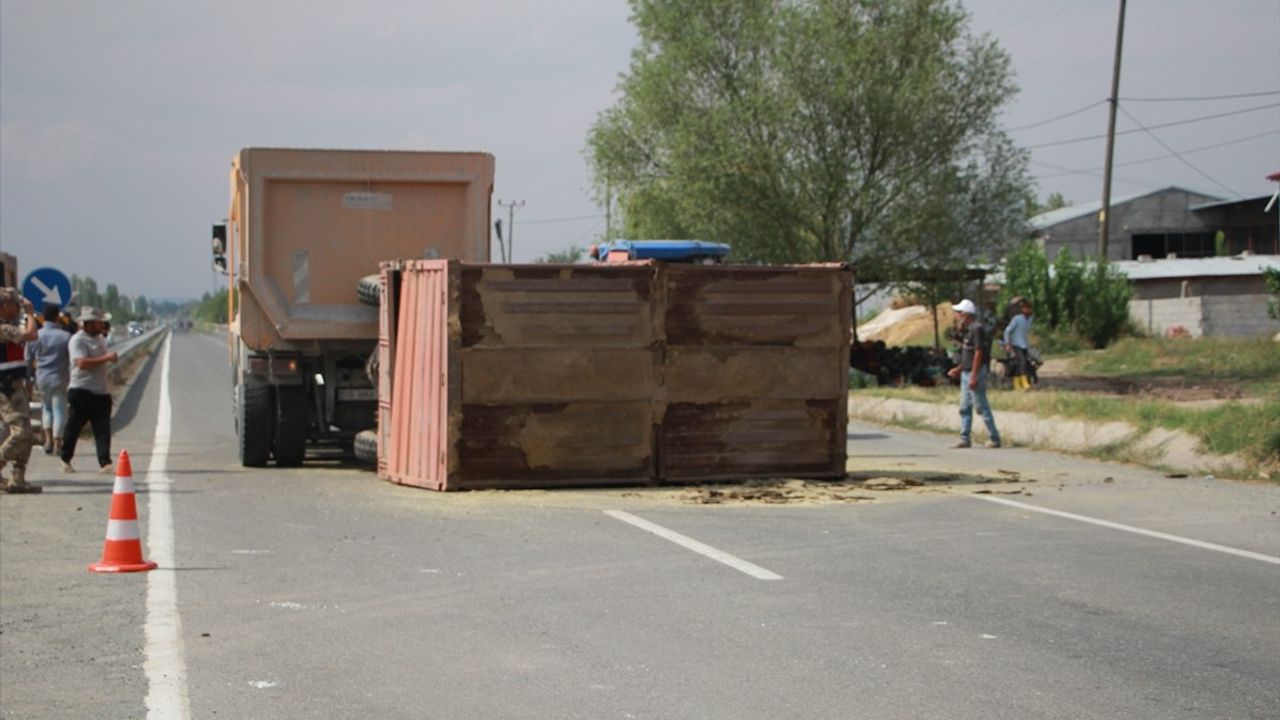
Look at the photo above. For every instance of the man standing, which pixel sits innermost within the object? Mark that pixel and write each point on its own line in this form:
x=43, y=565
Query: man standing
x=89, y=397
x=15, y=405
x=972, y=371
x=1017, y=345
x=53, y=374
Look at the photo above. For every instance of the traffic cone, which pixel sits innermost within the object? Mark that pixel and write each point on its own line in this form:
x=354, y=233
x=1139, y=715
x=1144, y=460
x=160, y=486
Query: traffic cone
x=122, y=552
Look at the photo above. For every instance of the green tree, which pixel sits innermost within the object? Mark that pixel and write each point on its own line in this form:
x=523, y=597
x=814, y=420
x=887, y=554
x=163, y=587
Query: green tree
x=1068, y=289
x=1103, y=310
x=212, y=308
x=568, y=256
x=1088, y=298
x=815, y=130
x=1272, y=276
x=1026, y=273
x=85, y=291
x=1055, y=201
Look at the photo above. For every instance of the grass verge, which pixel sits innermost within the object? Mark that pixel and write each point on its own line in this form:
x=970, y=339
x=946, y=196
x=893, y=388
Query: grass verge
x=1252, y=430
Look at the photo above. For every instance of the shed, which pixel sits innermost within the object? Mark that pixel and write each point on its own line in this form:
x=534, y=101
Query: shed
x=1213, y=296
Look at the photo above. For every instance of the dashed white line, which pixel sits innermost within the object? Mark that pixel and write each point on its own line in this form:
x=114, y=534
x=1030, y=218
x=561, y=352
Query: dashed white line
x=165, y=666
x=1136, y=530
x=689, y=543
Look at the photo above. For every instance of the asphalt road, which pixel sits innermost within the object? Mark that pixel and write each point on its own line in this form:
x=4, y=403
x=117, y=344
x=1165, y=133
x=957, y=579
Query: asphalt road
x=322, y=592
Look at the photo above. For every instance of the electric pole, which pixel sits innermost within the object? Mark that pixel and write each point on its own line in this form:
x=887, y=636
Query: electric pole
x=1104, y=219
x=511, y=226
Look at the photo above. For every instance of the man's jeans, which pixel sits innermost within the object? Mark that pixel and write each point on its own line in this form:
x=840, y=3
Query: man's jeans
x=978, y=396
x=53, y=398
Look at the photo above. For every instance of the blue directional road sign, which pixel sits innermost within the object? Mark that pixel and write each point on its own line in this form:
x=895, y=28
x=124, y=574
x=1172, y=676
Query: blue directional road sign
x=46, y=285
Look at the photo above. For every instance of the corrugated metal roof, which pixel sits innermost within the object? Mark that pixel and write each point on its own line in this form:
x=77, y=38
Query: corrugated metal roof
x=1073, y=212
x=1223, y=203
x=1198, y=267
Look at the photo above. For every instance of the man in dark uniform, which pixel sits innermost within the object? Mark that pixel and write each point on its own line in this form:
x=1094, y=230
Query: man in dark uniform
x=15, y=403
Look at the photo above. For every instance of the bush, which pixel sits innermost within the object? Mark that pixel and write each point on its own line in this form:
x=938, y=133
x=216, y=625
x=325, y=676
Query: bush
x=1102, y=313
x=1085, y=298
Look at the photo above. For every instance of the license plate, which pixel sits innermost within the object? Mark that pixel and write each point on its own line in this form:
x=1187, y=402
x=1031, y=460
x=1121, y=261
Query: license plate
x=357, y=394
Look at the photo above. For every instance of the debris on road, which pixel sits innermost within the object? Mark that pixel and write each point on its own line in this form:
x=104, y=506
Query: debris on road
x=852, y=488
x=777, y=492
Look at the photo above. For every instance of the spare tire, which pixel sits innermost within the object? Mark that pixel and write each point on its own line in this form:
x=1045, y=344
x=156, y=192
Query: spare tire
x=366, y=446
x=369, y=290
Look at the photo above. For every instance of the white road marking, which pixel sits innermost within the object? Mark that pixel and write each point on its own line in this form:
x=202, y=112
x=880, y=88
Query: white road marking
x=1136, y=530
x=165, y=666
x=689, y=543
x=264, y=684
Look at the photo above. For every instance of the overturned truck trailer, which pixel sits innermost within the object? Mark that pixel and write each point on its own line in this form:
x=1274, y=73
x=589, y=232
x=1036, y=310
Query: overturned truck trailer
x=500, y=376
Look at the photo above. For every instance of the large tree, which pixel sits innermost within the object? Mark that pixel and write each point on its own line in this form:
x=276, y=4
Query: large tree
x=815, y=130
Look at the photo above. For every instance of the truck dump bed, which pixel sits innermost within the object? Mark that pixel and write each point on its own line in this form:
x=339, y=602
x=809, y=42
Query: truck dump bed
x=558, y=375
x=306, y=225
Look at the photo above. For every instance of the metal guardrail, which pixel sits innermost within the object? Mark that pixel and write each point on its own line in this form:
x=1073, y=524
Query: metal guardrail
x=127, y=348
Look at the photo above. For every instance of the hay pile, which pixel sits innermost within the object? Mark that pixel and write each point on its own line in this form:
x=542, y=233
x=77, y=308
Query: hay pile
x=902, y=326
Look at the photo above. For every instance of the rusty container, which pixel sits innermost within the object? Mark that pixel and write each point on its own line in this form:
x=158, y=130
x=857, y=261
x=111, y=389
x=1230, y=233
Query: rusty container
x=755, y=371
x=518, y=376
x=515, y=376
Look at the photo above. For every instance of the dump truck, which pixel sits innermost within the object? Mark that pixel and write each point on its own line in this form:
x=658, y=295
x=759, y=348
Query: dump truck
x=305, y=228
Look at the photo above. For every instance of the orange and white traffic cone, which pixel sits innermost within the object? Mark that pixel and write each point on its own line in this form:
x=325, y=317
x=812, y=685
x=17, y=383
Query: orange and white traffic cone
x=122, y=551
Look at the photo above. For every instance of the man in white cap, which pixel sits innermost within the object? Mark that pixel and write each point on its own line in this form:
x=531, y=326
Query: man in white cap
x=975, y=351
x=89, y=397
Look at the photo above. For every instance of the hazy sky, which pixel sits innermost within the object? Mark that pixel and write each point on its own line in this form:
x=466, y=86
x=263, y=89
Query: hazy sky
x=118, y=119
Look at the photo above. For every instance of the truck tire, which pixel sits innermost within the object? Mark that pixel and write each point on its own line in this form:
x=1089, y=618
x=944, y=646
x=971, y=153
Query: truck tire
x=368, y=290
x=366, y=446
x=291, y=425
x=253, y=423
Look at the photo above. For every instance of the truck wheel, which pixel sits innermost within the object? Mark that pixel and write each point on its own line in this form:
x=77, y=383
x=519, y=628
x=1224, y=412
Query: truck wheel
x=291, y=425
x=366, y=446
x=368, y=290
x=253, y=423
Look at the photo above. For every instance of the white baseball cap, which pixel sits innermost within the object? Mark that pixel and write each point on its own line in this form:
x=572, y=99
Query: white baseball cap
x=965, y=306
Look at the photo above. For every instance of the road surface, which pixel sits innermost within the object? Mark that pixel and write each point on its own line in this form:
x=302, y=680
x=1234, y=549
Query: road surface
x=322, y=592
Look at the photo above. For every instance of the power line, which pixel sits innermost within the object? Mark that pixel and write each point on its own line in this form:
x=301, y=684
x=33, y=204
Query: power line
x=1056, y=118
x=1269, y=93
x=1175, y=153
x=561, y=220
x=1044, y=19
x=1094, y=173
x=1069, y=171
x=1028, y=16
x=1155, y=127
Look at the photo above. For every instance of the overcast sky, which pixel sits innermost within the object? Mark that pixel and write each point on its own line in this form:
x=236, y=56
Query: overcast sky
x=118, y=119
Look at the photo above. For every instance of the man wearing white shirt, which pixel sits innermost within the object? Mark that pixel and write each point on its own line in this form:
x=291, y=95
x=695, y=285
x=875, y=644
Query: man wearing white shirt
x=89, y=397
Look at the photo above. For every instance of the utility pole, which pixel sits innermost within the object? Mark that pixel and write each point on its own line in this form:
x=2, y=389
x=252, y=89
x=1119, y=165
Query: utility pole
x=1104, y=219
x=511, y=225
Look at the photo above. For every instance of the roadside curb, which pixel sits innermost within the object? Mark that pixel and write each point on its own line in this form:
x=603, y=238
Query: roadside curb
x=1159, y=448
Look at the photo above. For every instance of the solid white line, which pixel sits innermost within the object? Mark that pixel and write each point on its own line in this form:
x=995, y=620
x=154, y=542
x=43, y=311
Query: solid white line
x=165, y=667
x=721, y=556
x=1136, y=530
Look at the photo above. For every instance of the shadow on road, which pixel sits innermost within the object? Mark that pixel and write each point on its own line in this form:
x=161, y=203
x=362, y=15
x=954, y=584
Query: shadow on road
x=128, y=408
